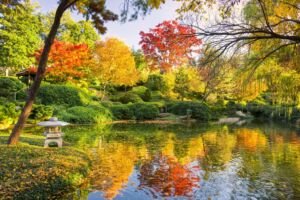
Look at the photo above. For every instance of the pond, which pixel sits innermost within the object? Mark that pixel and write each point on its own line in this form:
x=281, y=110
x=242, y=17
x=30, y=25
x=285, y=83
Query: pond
x=195, y=161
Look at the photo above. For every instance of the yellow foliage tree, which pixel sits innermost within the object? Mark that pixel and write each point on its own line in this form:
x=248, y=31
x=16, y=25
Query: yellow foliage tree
x=114, y=63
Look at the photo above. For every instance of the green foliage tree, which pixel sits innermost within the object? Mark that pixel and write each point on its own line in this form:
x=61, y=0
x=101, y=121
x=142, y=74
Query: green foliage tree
x=181, y=85
x=139, y=58
x=71, y=31
x=19, y=35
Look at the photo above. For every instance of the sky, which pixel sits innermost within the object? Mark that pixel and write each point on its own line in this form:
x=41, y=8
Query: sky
x=129, y=31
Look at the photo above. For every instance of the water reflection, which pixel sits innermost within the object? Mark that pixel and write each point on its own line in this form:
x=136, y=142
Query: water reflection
x=179, y=162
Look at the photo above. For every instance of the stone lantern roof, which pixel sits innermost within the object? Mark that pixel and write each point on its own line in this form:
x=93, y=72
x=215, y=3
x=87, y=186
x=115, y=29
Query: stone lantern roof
x=53, y=122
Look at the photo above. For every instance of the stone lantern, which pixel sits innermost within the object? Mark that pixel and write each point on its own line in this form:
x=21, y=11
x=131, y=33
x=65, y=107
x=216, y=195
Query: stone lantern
x=53, y=131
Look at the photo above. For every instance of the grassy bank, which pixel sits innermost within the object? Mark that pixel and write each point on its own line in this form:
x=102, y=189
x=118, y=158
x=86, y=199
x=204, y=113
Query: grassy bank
x=29, y=171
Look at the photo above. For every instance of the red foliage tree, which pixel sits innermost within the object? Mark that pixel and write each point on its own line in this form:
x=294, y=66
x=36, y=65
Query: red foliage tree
x=67, y=61
x=169, y=45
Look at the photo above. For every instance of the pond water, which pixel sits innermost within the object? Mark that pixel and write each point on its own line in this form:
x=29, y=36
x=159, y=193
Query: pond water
x=196, y=161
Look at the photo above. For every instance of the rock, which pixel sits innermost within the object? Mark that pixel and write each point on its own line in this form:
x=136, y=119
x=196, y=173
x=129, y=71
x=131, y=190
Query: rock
x=240, y=114
x=164, y=114
x=229, y=120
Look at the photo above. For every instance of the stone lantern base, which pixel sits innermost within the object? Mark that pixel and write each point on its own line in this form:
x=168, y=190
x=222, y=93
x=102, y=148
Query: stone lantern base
x=58, y=141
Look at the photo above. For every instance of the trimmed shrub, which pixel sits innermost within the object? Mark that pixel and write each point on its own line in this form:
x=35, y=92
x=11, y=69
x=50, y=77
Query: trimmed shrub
x=122, y=112
x=62, y=95
x=199, y=110
x=10, y=85
x=130, y=97
x=86, y=114
x=143, y=92
x=144, y=111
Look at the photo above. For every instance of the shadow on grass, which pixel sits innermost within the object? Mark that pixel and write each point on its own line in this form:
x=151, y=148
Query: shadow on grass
x=24, y=140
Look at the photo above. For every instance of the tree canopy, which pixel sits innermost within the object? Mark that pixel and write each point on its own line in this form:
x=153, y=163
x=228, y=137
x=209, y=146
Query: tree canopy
x=115, y=63
x=19, y=35
x=169, y=45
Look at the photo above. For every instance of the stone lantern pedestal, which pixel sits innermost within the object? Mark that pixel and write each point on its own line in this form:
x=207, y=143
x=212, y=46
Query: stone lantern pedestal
x=53, y=131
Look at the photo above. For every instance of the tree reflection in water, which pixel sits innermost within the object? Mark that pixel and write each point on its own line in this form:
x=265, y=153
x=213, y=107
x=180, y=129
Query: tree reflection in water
x=169, y=178
x=221, y=162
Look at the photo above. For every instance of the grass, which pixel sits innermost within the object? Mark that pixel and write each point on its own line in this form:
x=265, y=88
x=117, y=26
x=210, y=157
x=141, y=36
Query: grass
x=29, y=171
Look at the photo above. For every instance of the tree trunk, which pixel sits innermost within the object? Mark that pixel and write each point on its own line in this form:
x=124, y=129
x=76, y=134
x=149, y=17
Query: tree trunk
x=14, y=136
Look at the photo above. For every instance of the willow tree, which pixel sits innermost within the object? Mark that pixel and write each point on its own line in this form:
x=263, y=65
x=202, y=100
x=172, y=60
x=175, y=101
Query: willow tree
x=94, y=9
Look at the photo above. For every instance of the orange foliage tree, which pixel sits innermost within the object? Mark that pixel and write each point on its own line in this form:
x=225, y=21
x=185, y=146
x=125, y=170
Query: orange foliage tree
x=67, y=61
x=167, y=45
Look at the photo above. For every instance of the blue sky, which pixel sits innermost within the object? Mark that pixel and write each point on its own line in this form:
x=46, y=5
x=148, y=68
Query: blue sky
x=128, y=32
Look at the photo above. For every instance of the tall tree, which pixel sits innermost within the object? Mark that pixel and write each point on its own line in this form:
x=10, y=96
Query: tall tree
x=94, y=9
x=67, y=61
x=115, y=63
x=181, y=84
x=19, y=35
x=72, y=31
x=169, y=45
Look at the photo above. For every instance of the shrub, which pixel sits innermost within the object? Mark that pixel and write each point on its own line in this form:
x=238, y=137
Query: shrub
x=10, y=85
x=144, y=111
x=161, y=105
x=41, y=112
x=259, y=109
x=86, y=114
x=130, y=97
x=295, y=114
x=156, y=96
x=143, y=92
x=107, y=104
x=8, y=114
x=199, y=110
x=62, y=95
x=156, y=82
x=122, y=112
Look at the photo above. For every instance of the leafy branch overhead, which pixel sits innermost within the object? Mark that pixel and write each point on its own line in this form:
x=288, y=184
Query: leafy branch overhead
x=274, y=23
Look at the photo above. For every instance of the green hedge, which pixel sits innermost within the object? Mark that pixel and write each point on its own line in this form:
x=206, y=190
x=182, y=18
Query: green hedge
x=62, y=95
x=199, y=111
x=85, y=114
x=138, y=111
x=10, y=85
x=143, y=92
